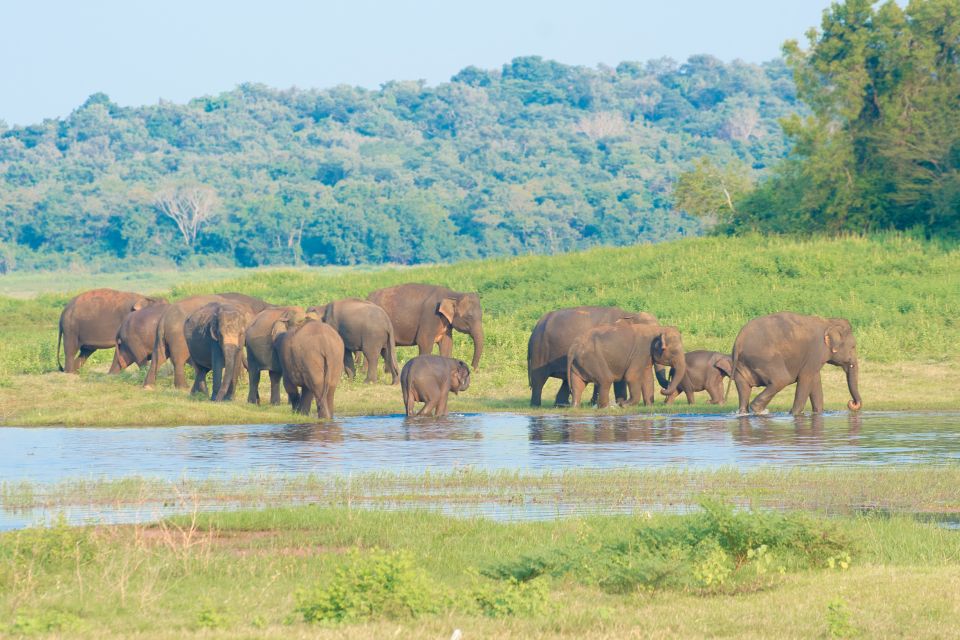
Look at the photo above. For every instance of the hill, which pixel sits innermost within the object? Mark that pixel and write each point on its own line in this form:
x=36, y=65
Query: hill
x=536, y=157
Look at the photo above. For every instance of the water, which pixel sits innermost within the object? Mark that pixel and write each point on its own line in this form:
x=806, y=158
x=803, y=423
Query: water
x=482, y=441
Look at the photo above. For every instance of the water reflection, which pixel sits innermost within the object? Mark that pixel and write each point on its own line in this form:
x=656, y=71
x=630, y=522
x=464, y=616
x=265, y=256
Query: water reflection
x=487, y=441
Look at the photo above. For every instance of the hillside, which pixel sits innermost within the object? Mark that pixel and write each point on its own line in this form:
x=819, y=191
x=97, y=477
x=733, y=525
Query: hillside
x=899, y=293
x=536, y=157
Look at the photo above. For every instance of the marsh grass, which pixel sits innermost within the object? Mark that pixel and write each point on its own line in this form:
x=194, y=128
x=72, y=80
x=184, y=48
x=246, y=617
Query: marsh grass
x=899, y=293
x=238, y=574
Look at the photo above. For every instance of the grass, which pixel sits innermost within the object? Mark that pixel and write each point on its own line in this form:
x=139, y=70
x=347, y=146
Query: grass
x=899, y=293
x=414, y=574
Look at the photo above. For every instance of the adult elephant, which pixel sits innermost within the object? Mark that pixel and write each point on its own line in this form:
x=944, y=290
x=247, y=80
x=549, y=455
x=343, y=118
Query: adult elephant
x=366, y=328
x=625, y=351
x=90, y=321
x=311, y=356
x=214, y=334
x=261, y=356
x=135, y=337
x=426, y=314
x=785, y=348
x=552, y=338
x=169, y=341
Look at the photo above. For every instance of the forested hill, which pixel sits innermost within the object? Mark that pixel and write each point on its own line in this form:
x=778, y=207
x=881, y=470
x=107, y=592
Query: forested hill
x=535, y=157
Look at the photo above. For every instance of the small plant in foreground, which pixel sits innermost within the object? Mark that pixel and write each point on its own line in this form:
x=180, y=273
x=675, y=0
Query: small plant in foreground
x=838, y=620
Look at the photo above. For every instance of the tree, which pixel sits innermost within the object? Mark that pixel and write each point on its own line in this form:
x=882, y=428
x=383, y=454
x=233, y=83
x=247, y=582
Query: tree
x=190, y=208
x=709, y=191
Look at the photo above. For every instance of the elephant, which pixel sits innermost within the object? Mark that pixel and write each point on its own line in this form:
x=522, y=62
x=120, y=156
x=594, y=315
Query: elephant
x=784, y=348
x=311, y=357
x=90, y=321
x=430, y=379
x=261, y=354
x=169, y=341
x=364, y=327
x=214, y=334
x=705, y=372
x=135, y=337
x=552, y=338
x=624, y=350
x=425, y=314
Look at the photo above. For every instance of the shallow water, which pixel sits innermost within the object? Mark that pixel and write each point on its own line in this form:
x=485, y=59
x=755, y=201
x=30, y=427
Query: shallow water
x=483, y=441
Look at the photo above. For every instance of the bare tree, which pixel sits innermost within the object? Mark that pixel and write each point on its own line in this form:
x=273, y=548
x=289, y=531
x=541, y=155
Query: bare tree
x=190, y=207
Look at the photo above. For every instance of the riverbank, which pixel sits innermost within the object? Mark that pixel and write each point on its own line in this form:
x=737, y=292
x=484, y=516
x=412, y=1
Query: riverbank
x=899, y=293
x=321, y=572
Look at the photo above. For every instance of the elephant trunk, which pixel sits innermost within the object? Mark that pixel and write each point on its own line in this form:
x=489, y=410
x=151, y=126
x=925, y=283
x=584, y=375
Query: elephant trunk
x=853, y=384
x=679, y=371
x=231, y=354
x=662, y=377
x=477, y=335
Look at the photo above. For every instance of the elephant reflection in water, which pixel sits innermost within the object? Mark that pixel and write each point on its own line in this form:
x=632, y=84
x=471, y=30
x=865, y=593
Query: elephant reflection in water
x=327, y=433
x=549, y=430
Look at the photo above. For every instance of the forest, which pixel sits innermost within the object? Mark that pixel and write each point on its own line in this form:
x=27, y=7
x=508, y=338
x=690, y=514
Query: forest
x=535, y=157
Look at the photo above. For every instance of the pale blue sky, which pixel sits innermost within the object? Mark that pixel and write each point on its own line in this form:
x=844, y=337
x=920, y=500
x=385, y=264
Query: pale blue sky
x=55, y=54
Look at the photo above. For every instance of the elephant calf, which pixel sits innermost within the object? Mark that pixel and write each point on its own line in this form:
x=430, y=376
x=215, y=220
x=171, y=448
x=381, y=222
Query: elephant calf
x=260, y=352
x=624, y=351
x=214, y=335
x=311, y=357
x=430, y=379
x=705, y=372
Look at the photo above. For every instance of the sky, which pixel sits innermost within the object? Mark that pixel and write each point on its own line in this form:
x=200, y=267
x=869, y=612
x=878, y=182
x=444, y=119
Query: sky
x=56, y=54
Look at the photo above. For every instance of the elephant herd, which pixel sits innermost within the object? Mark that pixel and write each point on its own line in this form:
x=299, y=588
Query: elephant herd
x=308, y=350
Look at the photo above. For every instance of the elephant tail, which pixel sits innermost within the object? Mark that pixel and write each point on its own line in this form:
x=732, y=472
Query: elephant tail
x=735, y=354
x=392, y=351
x=59, y=340
x=324, y=388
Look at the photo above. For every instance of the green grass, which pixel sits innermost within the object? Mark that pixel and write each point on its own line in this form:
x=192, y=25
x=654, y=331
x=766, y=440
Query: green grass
x=899, y=293
x=414, y=574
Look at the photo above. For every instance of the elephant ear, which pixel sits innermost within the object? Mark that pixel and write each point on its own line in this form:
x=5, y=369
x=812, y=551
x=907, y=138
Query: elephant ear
x=139, y=304
x=278, y=329
x=659, y=344
x=461, y=375
x=833, y=336
x=725, y=365
x=448, y=309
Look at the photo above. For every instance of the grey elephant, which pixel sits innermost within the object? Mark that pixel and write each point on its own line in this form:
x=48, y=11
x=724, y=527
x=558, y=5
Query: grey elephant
x=705, y=372
x=90, y=321
x=261, y=356
x=135, y=337
x=430, y=379
x=552, y=338
x=214, y=334
x=624, y=351
x=785, y=348
x=426, y=314
x=365, y=328
x=169, y=341
x=311, y=357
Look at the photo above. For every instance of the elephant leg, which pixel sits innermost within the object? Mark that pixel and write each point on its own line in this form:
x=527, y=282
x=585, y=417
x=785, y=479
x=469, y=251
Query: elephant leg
x=689, y=393
x=816, y=395
x=178, y=357
x=349, y=369
x=371, y=356
x=275, y=387
x=603, y=395
x=328, y=400
x=804, y=387
x=576, y=385
x=646, y=386
x=442, y=403
x=563, y=394
x=715, y=389
x=306, y=400
x=85, y=352
x=759, y=404
x=635, y=387
x=429, y=407
x=293, y=394
x=70, y=348
x=253, y=377
x=537, y=380
x=219, y=372
x=620, y=390
x=199, y=380
x=743, y=394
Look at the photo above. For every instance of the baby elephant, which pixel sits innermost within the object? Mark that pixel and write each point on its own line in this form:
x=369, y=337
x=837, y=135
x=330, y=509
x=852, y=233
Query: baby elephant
x=705, y=372
x=429, y=379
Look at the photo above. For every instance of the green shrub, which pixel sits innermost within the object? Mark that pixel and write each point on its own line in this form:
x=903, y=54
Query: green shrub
x=508, y=597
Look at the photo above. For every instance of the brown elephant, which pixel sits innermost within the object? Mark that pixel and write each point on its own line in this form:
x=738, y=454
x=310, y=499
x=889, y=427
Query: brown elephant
x=260, y=352
x=425, y=314
x=135, y=337
x=430, y=379
x=311, y=357
x=169, y=341
x=90, y=321
x=552, y=338
x=705, y=372
x=214, y=334
x=366, y=328
x=625, y=351
x=784, y=348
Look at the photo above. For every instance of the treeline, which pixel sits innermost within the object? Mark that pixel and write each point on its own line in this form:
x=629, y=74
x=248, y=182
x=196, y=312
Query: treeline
x=534, y=157
x=881, y=149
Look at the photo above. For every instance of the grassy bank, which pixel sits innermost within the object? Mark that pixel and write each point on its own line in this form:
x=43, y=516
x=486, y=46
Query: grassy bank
x=316, y=572
x=899, y=293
